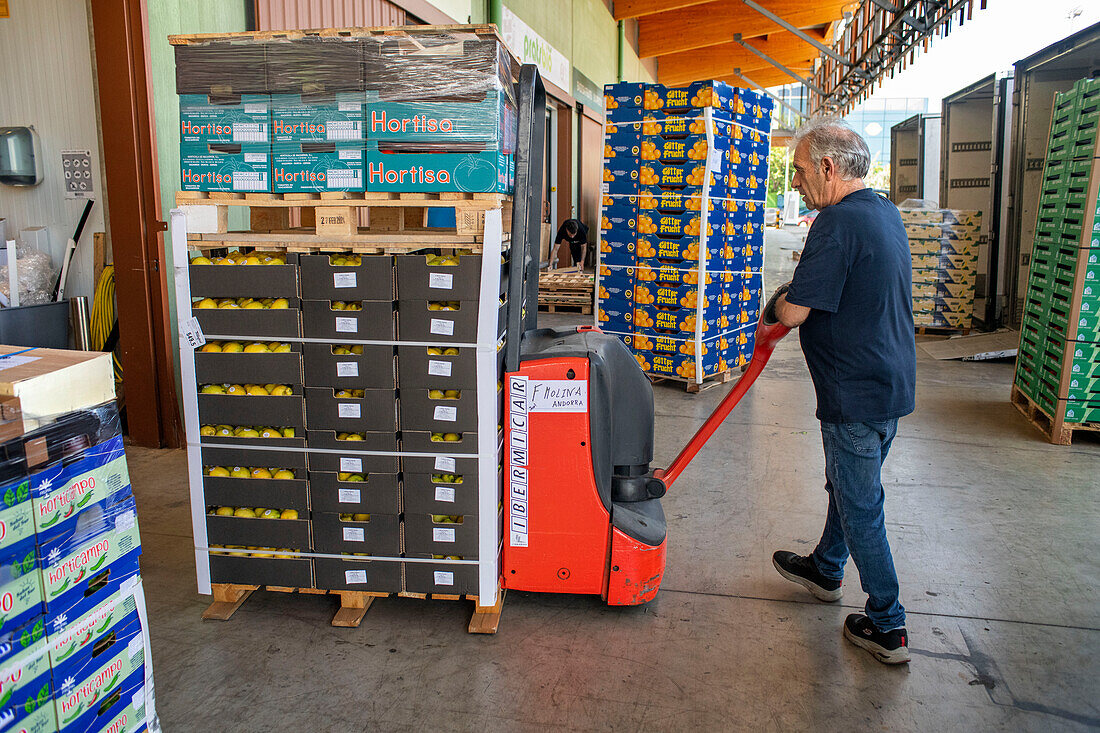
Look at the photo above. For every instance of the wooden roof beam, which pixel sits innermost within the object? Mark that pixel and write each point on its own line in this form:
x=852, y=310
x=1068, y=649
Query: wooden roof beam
x=624, y=9
x=717, y=61
x=712, y=23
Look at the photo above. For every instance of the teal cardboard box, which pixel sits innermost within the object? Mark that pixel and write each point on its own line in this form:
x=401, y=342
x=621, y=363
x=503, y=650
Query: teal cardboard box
x=238, y=167
x=316, y=167
x=490, y=119
x=240, y=118
x=483, y=172
x=317, y=118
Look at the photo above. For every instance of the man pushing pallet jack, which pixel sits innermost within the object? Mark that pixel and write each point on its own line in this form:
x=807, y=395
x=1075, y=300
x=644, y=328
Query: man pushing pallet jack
x=583, y=503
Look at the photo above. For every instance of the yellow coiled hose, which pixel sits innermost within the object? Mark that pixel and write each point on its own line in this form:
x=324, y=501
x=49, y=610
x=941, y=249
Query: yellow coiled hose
x=103, y=315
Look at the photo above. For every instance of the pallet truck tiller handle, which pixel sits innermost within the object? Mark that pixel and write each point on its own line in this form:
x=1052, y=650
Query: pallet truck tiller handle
x=769, y=332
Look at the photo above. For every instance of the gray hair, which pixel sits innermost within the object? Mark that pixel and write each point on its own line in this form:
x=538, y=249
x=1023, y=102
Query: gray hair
x=835, y=138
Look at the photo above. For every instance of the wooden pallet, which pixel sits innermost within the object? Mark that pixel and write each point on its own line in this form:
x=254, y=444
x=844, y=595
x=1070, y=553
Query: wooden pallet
x=585, y=309
x=941, y=331
x=1055, y=429
x=192, y=39
x=228, y=597
x=344, y=220
x=690, y=385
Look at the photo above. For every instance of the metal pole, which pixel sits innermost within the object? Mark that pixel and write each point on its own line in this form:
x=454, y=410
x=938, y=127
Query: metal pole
x=804, y=36
x=78, y=323
x=622, y=52
x=780, y=66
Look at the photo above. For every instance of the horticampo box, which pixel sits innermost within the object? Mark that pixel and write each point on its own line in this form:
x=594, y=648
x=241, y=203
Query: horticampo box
x=16, y=515
x=21, y=594
x=60, y=491
x=317, y=118
x=24, y=672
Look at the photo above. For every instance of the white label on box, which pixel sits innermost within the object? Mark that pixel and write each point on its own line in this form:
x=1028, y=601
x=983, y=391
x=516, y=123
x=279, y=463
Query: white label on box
x=445, y=414
x=339, y=178
x=441, y=280
x=255, y=157
x=249, y=132
x=129, y=584
x=442, y=577
x=254, y=108
x=349, y=409
x=351, y=465
x=354, y=534
x=557, y=395
x=346, y=106
x=8, y=362
x=192, y=332
x=355, y=576
x=443, y=534
x=714, y=159
x=343, y=130
x=249, y=181
x=445, y=464
x=343, y=280
x=136, y=646
x=347, y=325
x=125, y=521
x=353, y=154
x=445, y=493
x=439, y=368
x=442, y=327
x=137, y=701
x=347, y=369
x=349, y=496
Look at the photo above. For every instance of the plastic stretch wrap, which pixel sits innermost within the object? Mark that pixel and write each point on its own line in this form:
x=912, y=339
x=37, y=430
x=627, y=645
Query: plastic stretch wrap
x=36, y=277
x=459, y=66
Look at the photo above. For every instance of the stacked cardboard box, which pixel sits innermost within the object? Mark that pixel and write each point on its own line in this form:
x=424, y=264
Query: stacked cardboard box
x=338, y=397
x=1058, y=366
x=682, y=224
x=944, y=244
x=73, y=637
x=306, y=114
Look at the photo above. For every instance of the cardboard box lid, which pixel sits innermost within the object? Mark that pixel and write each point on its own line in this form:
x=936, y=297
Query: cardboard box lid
x=52, y=382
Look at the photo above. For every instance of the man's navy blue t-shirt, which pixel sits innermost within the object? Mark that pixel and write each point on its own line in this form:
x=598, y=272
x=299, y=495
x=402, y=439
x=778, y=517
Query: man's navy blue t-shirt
x=856, y=274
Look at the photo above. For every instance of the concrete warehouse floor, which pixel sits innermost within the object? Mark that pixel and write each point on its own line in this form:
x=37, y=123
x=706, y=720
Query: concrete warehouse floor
x=994, y=534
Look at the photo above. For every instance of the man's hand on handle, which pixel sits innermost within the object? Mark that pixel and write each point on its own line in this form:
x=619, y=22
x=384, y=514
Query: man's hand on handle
x=778, y=310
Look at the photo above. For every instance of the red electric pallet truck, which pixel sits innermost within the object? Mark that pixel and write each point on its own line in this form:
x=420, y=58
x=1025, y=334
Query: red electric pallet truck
x=582, y=505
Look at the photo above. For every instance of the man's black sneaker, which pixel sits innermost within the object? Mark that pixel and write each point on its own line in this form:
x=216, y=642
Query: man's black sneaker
x=803, y=571
x=888, y=647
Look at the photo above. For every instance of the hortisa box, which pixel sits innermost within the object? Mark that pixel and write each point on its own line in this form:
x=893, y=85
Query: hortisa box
x=74, y=561
x=305, y=167
x=390, y=167
x=234, y=167
x=487, y=117
x=16, y=515
x=63, y=489
x=241, y=118
x=24, y=676
x=318, y=118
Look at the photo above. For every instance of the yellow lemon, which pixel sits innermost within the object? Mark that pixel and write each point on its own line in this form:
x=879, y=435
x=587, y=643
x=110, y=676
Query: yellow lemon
x=212, y=347
x=260, y=473
x=288, y=432
x=361, y=517
x=212, y=389
x=280, y=304
x=256, y=348
x=257, y=391
x=253, y=305
x=283, y=474
x=219, y=471
x=224, y=511
x=451, y=394
x=451, y=437
x=281, y=348
x=236, y=389
x=357, y=349
x=232, y=347
x=289, y=514
x=207, y=430
x=248, y=433
x=200, y=260
x=205, y=303
x=435, y=394
x=245, y=513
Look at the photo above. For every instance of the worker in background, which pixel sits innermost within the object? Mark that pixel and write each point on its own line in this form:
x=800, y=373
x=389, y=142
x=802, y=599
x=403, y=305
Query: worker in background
x=850, y=296
x=576, y=233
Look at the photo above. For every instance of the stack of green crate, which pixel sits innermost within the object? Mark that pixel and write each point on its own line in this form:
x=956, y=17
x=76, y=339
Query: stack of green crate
x=1058, y=367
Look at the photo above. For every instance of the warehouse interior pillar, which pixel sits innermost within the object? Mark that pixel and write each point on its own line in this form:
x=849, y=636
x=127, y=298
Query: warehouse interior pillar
x=129, y=158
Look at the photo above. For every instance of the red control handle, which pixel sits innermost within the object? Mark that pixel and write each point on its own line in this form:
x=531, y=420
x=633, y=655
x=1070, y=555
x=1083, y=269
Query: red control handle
x=767, y=336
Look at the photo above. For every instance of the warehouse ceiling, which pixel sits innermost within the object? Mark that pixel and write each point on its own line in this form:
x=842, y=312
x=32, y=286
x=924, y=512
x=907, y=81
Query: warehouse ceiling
x=838, y=48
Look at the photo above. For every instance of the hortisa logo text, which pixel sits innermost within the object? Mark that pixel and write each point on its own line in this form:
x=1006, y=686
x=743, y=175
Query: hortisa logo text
x=73, y=704
x=63, y=503
x=77, y=563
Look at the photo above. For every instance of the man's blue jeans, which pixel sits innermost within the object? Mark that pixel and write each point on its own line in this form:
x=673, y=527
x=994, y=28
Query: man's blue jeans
x=856, y=523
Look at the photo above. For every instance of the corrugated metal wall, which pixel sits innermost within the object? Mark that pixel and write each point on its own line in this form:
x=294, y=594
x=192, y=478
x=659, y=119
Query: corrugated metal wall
x=47, y=81
x=291, y=14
